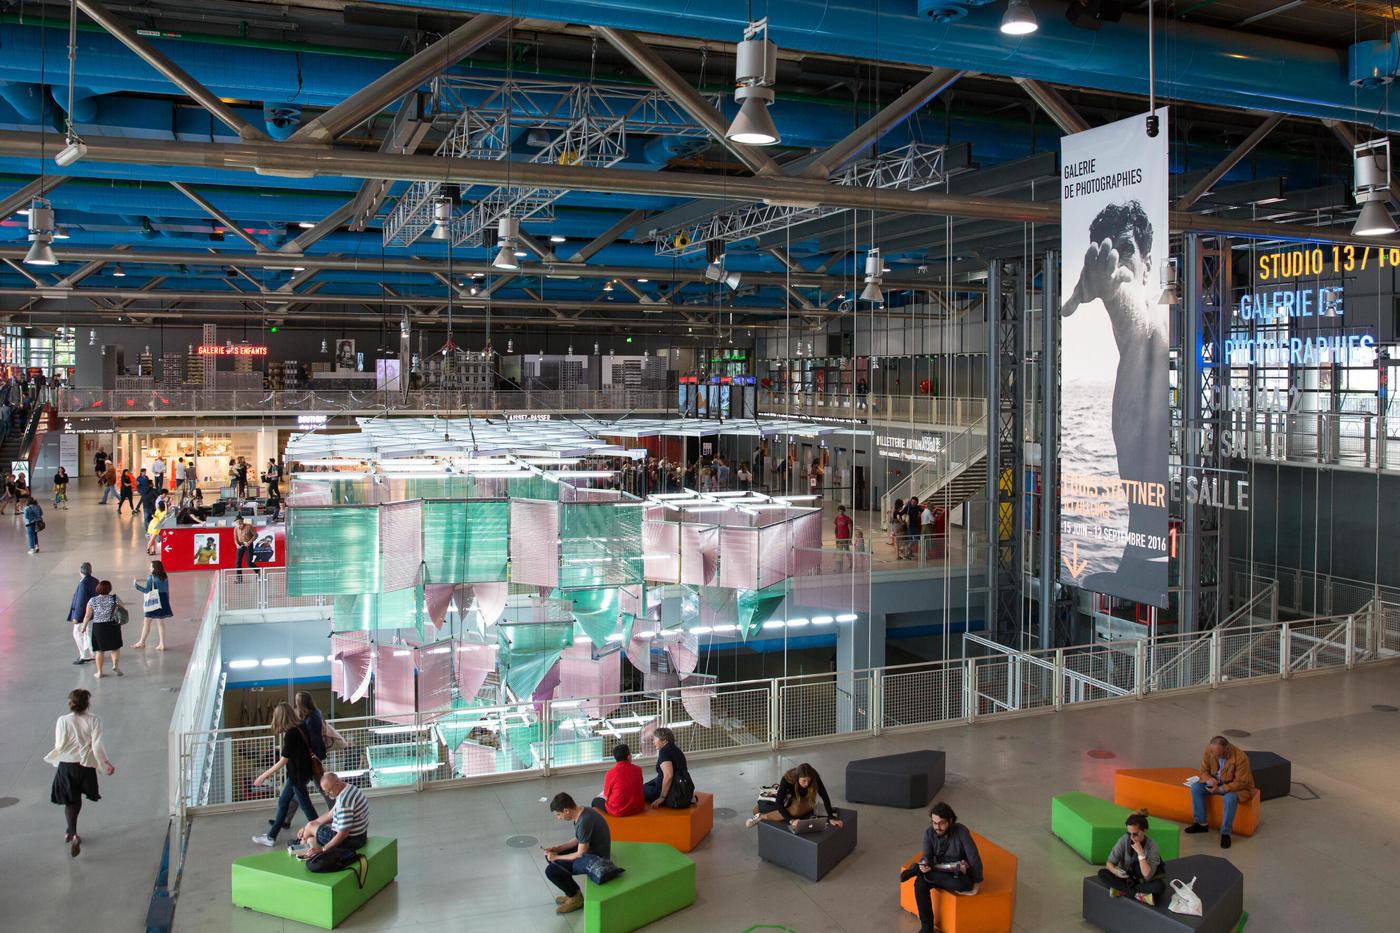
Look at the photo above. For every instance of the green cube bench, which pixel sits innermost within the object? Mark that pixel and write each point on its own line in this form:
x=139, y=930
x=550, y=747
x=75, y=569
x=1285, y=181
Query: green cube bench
x=278, y=884
x=658, y=881
x=1090, y=826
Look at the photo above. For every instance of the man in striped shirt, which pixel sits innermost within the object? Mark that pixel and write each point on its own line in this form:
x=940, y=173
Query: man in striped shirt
x=346, y=825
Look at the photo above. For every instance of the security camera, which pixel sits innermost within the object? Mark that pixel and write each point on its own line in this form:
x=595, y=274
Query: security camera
x=71, y=153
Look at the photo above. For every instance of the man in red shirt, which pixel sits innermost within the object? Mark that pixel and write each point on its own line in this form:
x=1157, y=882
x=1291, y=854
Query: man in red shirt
x=622, y=787
x=844, y=526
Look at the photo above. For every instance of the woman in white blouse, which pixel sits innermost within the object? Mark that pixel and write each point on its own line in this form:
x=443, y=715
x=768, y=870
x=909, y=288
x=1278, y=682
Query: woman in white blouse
x=77, y=754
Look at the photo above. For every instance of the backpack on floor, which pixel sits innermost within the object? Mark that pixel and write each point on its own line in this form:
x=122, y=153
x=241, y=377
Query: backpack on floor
x=339, y=859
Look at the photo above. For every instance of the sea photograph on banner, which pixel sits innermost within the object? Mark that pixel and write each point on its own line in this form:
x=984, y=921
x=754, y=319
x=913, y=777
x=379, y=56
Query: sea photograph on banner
x=1114, y=413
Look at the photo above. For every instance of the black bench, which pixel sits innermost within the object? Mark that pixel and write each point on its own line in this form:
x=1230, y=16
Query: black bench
x=810, y=855
x=1219, y=885
x=1273, y=774
x=908, y=780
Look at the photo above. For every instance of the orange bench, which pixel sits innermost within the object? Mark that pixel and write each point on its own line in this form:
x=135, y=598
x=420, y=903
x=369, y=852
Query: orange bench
x=680, y=828
x=1162, y=792
x=989, y=910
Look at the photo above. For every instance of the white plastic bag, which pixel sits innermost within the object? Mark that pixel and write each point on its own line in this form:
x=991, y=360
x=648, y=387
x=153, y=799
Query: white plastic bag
x=1184, y=899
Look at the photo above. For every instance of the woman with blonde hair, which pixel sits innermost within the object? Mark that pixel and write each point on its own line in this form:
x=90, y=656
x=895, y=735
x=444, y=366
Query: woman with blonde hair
x=77, y=754
x=796, y=800
x=294, y=757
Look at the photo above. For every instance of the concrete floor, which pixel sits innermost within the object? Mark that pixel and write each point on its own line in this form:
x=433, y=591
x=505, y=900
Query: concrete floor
x=1324, y=863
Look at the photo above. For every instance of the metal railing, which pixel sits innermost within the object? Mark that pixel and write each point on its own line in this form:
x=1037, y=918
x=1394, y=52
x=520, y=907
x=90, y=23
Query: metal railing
x=1358, y=440
x=1308, y=593
x=148, y=402
x=926, y=411
x=248, y=590
x=961, y=451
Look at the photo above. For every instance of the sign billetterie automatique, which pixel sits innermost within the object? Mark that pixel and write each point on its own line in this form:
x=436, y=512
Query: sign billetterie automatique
x=1114, y=366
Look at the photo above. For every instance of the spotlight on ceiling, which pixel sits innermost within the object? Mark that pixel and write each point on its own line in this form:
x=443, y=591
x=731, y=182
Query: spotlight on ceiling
x=874, y=275
x=1019, y=19
x=755, y=71
x=507, y=229
x=118, y=271
x=72, y=152
x=41, y=231
x=556, y=238
x=1370, y=186
x=442, y=218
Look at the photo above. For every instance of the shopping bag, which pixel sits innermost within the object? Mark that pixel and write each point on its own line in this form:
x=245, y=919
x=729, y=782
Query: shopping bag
x=1184, y=899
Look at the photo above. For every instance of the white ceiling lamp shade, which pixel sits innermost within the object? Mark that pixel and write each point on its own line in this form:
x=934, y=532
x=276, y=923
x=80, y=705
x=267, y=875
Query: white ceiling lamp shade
x=755, y=72
x=874, y=276
x=41, y=231
x=1371, y=187
x=1019, y=19
x=442, y=218
x=507, y=231
x=118, y=271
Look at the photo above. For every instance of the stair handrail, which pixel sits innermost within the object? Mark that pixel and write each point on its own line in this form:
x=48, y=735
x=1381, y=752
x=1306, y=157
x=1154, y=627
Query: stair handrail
x=961, y=451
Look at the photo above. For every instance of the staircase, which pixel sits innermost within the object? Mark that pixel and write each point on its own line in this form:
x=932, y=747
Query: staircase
x=950, y=480
x=13, y=447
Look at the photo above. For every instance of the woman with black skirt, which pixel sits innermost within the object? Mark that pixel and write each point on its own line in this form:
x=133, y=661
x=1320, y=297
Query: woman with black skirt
x=77, y=754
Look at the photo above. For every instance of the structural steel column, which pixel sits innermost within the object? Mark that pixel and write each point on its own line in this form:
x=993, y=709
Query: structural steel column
x=1005, y=442
x=1049, y=446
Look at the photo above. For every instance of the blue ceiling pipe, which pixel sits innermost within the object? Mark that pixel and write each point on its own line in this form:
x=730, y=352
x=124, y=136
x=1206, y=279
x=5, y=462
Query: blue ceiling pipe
x=1195, y=63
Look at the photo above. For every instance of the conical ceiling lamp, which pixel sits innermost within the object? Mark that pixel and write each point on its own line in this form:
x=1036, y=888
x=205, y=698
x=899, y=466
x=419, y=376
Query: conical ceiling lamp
x=755, y=71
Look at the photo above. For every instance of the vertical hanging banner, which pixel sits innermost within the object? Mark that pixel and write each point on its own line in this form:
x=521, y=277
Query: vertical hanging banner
x=1114, y=414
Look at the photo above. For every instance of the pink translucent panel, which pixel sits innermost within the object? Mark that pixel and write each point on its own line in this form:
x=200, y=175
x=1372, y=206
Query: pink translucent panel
x=774, y=554
x=400, y=544
x=697, y=703
x=472, y=758
x=581, y=677
x=435, y=677
x=534, y=542
x=629, y=599
x=474, y=662
x=717, y=607
x=490, y=600
x=654, y=513
x=699, y=554
x=639, y=652
x=544, y=690
x=738, y=558
x=684, y=652
x=438, y=598
x=393, y=683
x=354, y=661
x=646, y=740
x=569, y=493
x=661, y=551
x=807, y=542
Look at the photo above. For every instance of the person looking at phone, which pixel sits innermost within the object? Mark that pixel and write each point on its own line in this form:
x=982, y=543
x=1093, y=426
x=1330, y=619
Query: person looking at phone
x=950, y=862
x=1135, y=867
x=345, y=825
x=591, y=836
x=1225, y=773
x=796, y=800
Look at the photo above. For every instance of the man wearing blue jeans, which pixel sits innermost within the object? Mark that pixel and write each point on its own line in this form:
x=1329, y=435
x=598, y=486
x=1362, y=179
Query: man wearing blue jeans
x=591, y=837
x=1224, y=772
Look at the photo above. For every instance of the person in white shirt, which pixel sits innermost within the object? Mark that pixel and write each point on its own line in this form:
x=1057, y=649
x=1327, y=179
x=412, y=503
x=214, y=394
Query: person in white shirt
x=77, y=754
x=926, y=527
x=158, y=473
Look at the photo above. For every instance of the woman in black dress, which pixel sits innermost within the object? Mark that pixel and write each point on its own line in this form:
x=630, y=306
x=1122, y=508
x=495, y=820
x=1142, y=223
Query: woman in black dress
x=295, y=757
x=77, y=754
x=102, y=624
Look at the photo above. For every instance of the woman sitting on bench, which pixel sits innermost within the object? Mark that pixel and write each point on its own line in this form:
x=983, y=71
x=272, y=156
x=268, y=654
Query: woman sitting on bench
x=1135, y=866
x=796, y=800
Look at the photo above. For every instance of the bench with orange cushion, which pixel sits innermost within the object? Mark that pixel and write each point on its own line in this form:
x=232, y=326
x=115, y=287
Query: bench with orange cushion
x=680, y=828
x=989, y=910
x=1162, y=792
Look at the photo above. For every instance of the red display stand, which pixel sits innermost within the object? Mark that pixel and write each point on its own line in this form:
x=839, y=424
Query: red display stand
x=194, y=547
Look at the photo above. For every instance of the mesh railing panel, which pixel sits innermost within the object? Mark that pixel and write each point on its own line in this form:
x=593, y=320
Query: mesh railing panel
x=1105, y=663
x=993, y=684
x=737, y=719
x=827, y=706
x=1316, y=646
x=1248, y=654
x=1179, y=662
x=923, y=695
x=578, y=738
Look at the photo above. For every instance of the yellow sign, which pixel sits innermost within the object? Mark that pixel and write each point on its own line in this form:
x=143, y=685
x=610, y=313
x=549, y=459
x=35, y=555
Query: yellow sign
x=1333, y=260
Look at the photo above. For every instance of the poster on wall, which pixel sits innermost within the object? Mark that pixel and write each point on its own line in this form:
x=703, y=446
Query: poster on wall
x=345, y=360
x=1114, y=415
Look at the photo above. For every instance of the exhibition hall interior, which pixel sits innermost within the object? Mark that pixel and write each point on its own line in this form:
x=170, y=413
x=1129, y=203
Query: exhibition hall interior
x=804, y=466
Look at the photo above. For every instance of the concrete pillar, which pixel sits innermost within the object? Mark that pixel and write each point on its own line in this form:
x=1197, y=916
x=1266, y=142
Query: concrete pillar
x=860, y=645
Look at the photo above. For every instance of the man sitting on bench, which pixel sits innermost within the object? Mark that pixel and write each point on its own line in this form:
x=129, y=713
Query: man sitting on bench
x=345, y=825
x=1135, y=867
x=950, y=862
x=1224, y=772
x=591, y=837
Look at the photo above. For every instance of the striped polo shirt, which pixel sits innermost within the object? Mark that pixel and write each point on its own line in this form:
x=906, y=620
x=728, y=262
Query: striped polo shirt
x=351, y=812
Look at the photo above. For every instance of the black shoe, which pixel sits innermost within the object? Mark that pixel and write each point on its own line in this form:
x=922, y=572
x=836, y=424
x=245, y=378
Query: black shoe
x=1197, y=828
x=1224, y=842
x=910, y=872
x=80, y=661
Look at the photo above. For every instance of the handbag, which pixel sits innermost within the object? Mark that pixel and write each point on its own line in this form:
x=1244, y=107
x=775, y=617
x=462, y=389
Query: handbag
x=768, y=794
x=600, y=870
x=151, y=602
x=318, y=770
x=682, y=792
x=337, y=859
x=122, y=615
x=1184, y=899
x=39, y=525
x=331, y=739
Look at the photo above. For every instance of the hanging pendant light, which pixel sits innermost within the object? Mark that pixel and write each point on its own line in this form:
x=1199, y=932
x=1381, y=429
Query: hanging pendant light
x=1019, y=20
x=874, y=276
x=507, y=230
x=755, y=72
x=1371, y=188
x=442, y=218
x=41, y=231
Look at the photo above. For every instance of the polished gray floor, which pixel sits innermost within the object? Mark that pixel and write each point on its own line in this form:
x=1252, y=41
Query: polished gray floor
x=109, y=885
x=1324, y=863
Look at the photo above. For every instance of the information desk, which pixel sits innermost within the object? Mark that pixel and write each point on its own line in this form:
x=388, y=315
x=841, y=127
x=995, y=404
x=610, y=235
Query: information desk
x=210, y=546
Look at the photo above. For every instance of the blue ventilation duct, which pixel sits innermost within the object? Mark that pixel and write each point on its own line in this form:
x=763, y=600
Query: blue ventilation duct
x=1374, y=64
x=1195, y=63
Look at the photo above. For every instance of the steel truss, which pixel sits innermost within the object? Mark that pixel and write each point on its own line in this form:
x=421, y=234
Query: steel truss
x=587, y=124
x=1006, y=351
x=909, y=168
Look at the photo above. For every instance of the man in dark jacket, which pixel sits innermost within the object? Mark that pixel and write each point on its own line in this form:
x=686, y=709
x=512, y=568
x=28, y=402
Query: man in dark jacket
x=87, y=589
x=950, y=862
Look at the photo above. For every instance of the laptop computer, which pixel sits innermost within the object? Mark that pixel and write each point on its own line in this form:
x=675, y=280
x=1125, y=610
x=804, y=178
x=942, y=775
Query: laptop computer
x=809, y=825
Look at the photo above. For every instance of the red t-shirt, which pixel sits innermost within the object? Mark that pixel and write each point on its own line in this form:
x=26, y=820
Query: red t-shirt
x=843, y=527
x=622, y=789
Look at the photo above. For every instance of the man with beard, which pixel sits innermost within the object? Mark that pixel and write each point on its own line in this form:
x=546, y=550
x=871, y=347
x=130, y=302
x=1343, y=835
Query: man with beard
x=950, y=862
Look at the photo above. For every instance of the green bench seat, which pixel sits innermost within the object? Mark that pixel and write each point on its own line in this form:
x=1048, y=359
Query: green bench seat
x=658, y=881
x=1090, y=826
x=278, y=884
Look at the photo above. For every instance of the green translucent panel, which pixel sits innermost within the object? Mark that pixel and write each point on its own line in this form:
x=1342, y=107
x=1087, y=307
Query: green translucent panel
x=431, y=487
x=580, y=751
x=755, y=607
x=600, y=544
x=466, y=541
x=528, y=651
x=533, y=487
x=332, y=550
x=398, y=763
x=595, y=611
x=369, y=612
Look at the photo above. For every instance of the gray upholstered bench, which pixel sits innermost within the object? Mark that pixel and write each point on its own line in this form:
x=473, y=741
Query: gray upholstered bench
x=908, y=780
x=810, y=855
x=1219, y=885
x=1273, y=774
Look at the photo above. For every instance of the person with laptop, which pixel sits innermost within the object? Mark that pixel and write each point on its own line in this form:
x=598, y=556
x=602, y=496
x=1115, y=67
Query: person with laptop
x=795, y=803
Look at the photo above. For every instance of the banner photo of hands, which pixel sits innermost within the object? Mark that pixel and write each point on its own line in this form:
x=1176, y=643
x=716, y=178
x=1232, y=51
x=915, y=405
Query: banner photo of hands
x=1114, y=415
